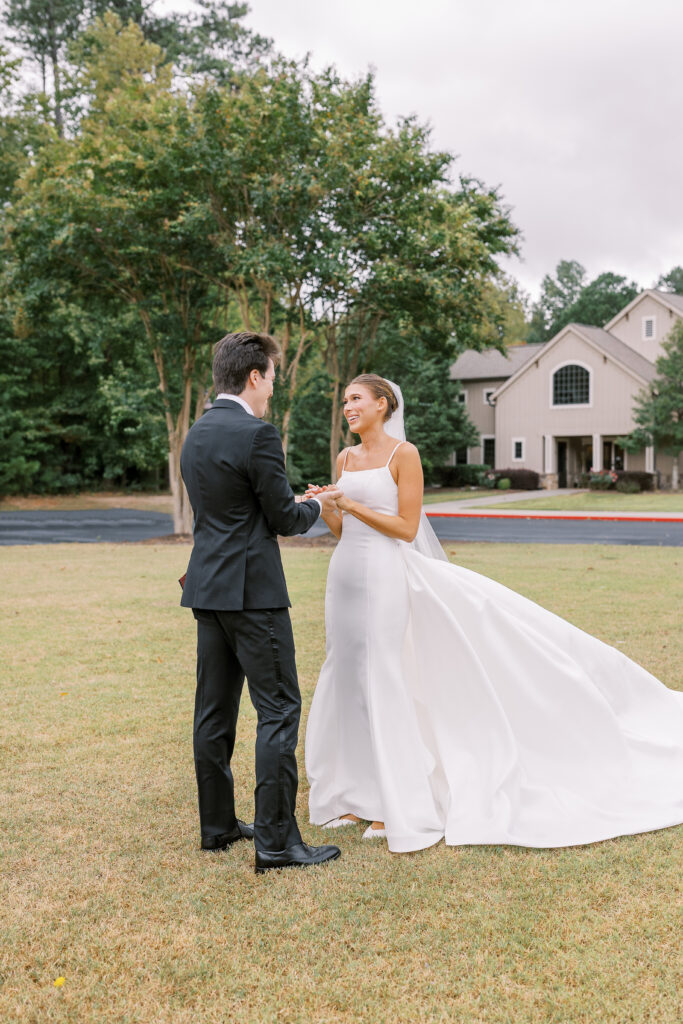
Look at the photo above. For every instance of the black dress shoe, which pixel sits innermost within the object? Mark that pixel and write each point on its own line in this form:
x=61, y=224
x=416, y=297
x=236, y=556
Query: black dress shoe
x=243, y=831
x=299, y=856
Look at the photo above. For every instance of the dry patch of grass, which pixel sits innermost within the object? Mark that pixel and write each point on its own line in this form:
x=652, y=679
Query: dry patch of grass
x=604, y=501
x=157, y=502
x=103, y=883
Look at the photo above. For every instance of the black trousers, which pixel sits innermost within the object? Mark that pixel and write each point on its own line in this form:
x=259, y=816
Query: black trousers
x=259, y=645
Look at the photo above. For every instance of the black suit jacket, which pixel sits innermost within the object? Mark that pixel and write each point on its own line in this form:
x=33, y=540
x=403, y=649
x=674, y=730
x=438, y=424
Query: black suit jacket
x=234, y=470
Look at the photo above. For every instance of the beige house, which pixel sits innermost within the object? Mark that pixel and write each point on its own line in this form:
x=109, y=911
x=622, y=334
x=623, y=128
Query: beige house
x=558, y=408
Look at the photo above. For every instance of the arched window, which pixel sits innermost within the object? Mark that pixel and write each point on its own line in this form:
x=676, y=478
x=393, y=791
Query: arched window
x=571, y=385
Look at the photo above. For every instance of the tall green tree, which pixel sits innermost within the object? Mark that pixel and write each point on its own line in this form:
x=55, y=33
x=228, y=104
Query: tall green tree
x=113, y=213
x=672, y=282
x=45, y=29
x=658, y=413
x=558, y=293
x=331, y=225
x=599, y=301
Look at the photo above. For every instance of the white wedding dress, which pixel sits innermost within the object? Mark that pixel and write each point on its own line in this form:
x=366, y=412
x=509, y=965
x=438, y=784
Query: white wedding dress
x=451, y=707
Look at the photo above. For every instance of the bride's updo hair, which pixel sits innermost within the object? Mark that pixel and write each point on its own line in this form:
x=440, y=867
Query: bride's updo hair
x=380, y=389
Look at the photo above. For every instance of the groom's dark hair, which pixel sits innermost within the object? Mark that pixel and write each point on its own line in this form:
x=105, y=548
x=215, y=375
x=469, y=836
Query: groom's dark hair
x=236, y=355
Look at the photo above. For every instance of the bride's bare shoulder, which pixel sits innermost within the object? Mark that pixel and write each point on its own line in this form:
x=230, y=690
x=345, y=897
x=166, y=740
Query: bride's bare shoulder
x=341, y=458
x=408, y=452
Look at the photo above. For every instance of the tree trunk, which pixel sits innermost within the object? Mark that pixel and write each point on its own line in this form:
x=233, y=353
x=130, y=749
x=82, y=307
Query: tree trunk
x=182, y=510
x=292, y=374
x=56, y=78
x=674, y=475
x=176, y=429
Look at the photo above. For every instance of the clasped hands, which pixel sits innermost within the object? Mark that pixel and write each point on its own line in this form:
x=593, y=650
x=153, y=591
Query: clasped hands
x=330, y=496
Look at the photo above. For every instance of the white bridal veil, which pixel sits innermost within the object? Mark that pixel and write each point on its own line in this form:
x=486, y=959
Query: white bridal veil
x=426, y=542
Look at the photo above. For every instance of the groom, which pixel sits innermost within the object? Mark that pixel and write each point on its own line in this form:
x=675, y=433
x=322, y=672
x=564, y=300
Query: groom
x=234, y=470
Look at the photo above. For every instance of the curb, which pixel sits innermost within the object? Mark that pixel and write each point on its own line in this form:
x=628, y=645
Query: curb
x=576, y=516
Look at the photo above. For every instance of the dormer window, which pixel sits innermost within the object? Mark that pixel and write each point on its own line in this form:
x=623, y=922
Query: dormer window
x=571, y=385
x=649, y=328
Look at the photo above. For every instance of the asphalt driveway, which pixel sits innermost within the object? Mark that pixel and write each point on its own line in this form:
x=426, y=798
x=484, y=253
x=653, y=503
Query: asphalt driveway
x=117, y=525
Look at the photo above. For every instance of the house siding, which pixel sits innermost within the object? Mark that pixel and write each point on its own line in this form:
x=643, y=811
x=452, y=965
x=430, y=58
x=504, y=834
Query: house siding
x=525, y=410
x=629, y=327
x=482, y=415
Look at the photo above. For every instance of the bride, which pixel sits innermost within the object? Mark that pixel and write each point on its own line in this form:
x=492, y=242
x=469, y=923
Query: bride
x=451, y=707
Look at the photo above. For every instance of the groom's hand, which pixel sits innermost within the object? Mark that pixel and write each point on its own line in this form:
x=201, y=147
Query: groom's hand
x=328, y=496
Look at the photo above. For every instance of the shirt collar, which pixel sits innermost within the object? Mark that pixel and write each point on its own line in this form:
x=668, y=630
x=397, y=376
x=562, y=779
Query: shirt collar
x=240, y=401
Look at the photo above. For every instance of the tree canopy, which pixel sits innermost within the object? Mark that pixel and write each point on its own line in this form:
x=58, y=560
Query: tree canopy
x=178, y=201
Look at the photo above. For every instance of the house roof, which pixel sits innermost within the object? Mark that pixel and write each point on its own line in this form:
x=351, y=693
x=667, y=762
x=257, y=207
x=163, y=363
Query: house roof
x=599, y=339
x=668, y=299
x=492, y=364
x=618, y=350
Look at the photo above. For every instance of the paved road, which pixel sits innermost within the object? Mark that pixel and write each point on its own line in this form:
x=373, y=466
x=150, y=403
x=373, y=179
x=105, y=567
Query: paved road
x=549, y=531
x=93, y=527
x=559, y=531
x=117, y=525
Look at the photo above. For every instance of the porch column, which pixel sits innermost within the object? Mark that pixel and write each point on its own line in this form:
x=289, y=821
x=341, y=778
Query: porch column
x=597, y=452
x=650, y=459
x=549, y=459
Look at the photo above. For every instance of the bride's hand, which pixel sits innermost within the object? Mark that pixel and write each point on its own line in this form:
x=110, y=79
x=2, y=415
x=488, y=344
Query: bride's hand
x=343, y=503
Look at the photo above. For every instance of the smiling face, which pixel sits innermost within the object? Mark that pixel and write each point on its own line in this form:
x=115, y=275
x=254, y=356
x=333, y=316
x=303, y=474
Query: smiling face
x=361, y=409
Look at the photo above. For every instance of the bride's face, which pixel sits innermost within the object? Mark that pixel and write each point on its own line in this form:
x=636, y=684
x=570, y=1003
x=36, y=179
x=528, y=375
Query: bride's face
x=362, y=409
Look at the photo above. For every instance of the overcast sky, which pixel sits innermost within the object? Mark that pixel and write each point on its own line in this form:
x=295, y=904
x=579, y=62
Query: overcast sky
x=573, y=107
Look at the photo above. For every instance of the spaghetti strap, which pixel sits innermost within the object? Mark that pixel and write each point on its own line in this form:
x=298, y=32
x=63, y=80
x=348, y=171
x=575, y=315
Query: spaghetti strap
x=345, y=458
x=393, y=453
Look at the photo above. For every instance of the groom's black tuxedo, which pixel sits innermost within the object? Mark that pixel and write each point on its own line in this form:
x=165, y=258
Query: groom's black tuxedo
x=234, y=470
x=233, y=467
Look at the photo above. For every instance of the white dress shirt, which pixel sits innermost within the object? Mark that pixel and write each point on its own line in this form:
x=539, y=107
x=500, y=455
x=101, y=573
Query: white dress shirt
x=240, y=401
x=245, y=405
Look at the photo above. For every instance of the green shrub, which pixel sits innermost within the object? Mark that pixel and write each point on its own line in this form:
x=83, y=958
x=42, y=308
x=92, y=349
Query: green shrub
x=645, y=481
x=504, y=484
x=628, y=486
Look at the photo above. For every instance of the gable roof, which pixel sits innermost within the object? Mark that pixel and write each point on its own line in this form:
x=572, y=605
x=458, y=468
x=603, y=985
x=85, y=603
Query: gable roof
x=491, y=364
x=669, y=299
x=599, y=339
x=619, y=350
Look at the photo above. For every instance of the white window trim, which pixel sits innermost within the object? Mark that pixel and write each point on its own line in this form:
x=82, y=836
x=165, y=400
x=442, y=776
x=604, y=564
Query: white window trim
x=484, y=393
x=580, y=405
x=653, y=336
x=522, y=441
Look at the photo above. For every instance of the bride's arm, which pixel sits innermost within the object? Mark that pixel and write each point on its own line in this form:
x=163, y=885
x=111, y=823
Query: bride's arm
x=410, y=482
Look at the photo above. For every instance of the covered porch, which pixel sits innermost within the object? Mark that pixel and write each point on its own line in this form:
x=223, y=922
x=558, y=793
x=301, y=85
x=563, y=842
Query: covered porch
x=566, y=458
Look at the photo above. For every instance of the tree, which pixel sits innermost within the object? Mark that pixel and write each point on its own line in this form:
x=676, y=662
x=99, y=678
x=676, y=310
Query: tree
x=671, y=282
x=599, y=301
x=45, y=28
x=566, y=299
x=506, y=318
x=659, y=409
x=113, y=215
x=557, y=295
x=331, y=225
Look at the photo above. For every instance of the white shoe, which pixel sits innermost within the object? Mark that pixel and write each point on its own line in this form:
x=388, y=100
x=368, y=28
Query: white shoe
x=374, y=833
x=339, y=823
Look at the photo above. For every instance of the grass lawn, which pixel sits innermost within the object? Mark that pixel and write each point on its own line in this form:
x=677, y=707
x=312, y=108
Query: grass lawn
x=447, y=494
x=103, y=883
x=142, y=502
x=604, y=501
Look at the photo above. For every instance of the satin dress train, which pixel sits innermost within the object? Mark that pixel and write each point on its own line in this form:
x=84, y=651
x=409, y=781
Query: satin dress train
x=451, y=707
